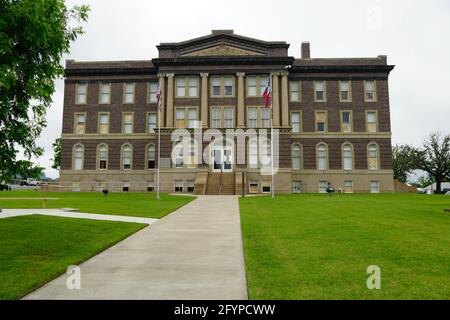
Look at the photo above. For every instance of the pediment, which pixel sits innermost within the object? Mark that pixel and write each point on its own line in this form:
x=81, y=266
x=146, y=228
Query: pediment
x=222, y=50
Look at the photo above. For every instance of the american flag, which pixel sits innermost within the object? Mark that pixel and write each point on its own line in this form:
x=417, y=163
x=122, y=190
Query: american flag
x=159, y=98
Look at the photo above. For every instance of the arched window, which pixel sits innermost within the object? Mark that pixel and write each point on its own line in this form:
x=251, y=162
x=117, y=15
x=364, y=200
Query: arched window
x=296, y=157
x=373, y=156
x=253, y=153
x=127, y=157
x=151, y=156
x=322, y=156
x=78, y=157
x=347, y=157
x=102, y=157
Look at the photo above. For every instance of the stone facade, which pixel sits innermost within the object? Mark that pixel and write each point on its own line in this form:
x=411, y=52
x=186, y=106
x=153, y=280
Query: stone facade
x=209, y=66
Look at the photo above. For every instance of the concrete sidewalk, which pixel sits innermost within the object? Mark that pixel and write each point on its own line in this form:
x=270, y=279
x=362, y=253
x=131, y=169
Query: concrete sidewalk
x=7, y=213
x=194, y=253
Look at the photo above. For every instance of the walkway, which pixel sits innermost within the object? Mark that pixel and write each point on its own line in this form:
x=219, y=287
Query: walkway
x=69, y=214
x=194, y=253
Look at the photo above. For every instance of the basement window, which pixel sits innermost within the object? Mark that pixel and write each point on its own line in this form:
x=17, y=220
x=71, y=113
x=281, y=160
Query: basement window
x=190, y=185
x=126, y=186
x=266, y=186
x=253, y=186
x=178, y=186
x=150, y=186
x=296, y=187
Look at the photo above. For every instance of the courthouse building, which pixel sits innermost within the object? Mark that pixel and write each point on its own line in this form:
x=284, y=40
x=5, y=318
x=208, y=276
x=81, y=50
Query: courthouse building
x=332, y=115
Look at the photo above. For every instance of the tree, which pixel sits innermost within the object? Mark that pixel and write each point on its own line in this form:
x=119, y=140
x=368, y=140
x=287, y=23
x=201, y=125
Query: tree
x=434, y=158
x=56, y=154
x=27, y=170
x=403, y=161
x=34, y=35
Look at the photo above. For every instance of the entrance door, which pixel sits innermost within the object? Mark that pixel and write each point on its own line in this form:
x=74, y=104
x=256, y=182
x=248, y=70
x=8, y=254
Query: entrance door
x=223, y=159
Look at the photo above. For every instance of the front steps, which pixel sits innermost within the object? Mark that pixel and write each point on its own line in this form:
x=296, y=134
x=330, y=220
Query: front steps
x=215, y=183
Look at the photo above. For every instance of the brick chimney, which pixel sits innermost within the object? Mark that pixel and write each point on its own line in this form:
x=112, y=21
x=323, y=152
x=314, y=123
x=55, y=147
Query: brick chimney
x=306, y=52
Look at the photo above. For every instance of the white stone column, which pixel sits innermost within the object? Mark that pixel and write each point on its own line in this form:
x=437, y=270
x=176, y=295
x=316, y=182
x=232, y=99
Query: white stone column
x=169, y=119
x=275, y=100
x=241, y=100
x=204, y=100
x=284, y=100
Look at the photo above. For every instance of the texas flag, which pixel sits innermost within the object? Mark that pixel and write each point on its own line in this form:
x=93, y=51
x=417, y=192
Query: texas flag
x=266, y=94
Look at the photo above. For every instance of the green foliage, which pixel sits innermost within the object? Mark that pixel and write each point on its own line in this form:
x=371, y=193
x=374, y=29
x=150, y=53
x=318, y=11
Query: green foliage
x=403, y=157
x=27, y=169
x=56, y=154
x=312, y=246
x=34, y=35
x=35, y=249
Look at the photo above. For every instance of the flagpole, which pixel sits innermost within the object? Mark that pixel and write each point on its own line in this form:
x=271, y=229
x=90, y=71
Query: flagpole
x=271, y=137
x=159, y=142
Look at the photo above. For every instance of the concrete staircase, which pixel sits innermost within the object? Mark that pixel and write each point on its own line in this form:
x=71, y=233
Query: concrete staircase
x=219, y=183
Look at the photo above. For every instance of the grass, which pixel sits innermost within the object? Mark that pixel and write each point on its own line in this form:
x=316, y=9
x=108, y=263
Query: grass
x=35, y=249
x=125, y=204
x=319, y=247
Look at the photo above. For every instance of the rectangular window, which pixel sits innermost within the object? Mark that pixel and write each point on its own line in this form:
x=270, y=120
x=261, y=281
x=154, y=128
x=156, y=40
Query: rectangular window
x=348, y=186
x=152, y=122
x=322, y=186
x=190, y=185
x=265, y=186
x=344, y=91
x=180, y=118
x=181, y=87
x=152, y=88
x=186, y=87
x=105, y=93
x=216, y=86
x=193, y=87
x=319, y=91
x=265, y=117
x=186, y=117
x=346, y=121
x=103, y=123
x=126, y=186
x=216, y=118
x=296, y=187
x=321, y=121
x=296, y=122
x=374, y=187
x=192, y=118
x=178, y=186
x=80, y=123
x=263, y=82
x=150, y=186
x=81, y=94
x=127, y=125
x=369, y=91
x=222, y=86
x=252, y=117
x=228, y=86
x=228, y=116
x=128, y=95
x=295, y=89
x=372, y=121
x=251, y=86
x=253, y=186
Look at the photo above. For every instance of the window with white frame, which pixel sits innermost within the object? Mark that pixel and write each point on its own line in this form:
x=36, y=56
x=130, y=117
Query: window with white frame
x=369, y=90
x=253, y=186
x=190, y=185
x=252, y=117
x=321, y=121
x=374, y=187
x=296, y=187
x=346, y=121
x=228, y=117
x=296, y=157
x=265, y=186
x=186, y=117
x=103, y=123
x=186, y=86
x=105, y=93
x=263, y=83
x=150, y=186
x=216, y=117
x=78, y=157
x=347, y=155
x=373, y=156
x=178, y=185
x=222, y=117
x=128, y=95
x=222, y=86
x=126, y=186
x=372, y=121
x=81, y=95
x=127, y=122
x=152, y=122
x=265, y=117
x=102, y=157
x=80, y=123
x=256, y=85
x=151, y=156
x=295, y=91
x=126, y=157
x=296, y=121
x=319, y=91
x=152, y=88
x=348, y=186
x=322, y=186
x=322, y=157
x=253, y=153
x=344, y=91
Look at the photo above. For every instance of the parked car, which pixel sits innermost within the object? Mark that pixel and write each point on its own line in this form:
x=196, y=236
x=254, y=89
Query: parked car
x=33, y=183
x=24, y=183
x=4, y=187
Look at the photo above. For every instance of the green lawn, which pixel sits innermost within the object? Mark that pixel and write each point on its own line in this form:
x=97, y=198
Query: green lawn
x=125, y=204
x=35, y=249
x=319, y=247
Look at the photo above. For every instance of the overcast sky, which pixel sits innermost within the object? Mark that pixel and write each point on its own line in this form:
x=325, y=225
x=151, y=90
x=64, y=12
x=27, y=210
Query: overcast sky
x=413, y=34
